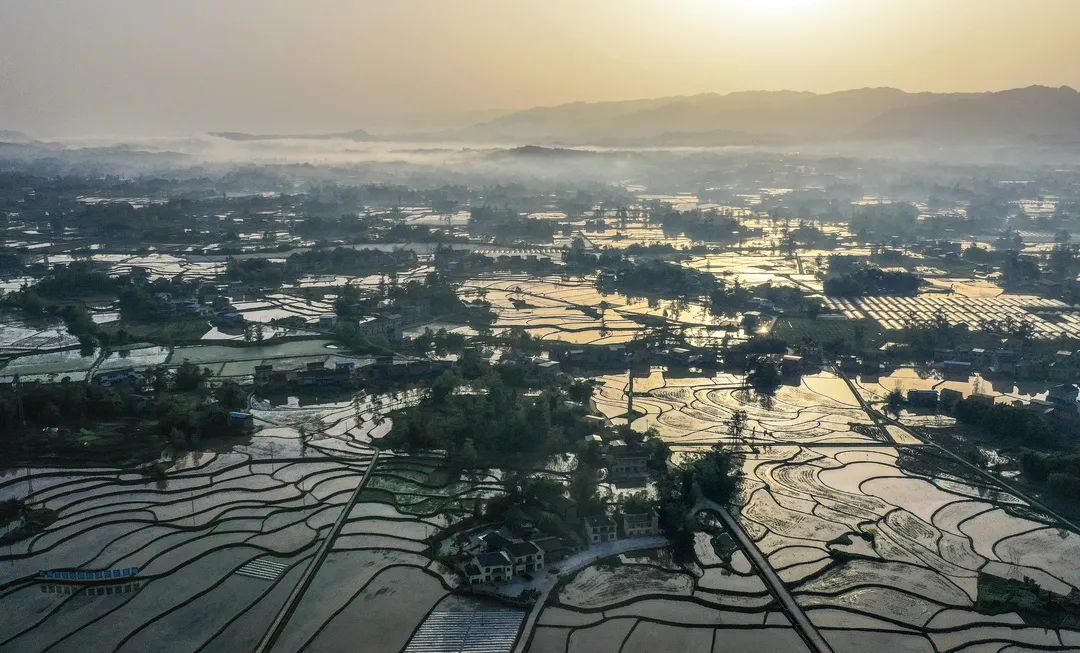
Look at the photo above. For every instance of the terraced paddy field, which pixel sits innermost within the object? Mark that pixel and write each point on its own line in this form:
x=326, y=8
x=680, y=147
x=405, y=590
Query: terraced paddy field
x=379, y=580
x=196, y=538
x=691, y=411
x=21, y=335
x=642, y=601
x=571, y=309
x=302, y=539
x=212, y=553
x=881, y=541
x=887, y=545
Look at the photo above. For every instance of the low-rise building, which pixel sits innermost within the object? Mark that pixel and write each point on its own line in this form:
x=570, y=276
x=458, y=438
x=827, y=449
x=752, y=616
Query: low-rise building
x=791, y=365
x=381, y=326
x=627, y=462
x=317, y=373
x=525, y=556
x=1064, y=394
x=242, y=420
x=116, y=377
x=489, y=567
x=599, y=529
x=641, y=524
x=521, y=556
x=948, y=398
x=923, y=398
x=955, y=368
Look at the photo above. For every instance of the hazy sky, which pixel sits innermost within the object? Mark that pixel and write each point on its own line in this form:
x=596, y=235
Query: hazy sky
x=72, y=67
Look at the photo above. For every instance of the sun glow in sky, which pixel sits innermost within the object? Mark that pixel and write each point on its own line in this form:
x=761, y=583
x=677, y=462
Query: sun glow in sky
x=774, y=7
x=131, y=66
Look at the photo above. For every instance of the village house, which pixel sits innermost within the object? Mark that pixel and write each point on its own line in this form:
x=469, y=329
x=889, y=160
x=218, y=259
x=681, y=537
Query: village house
x=627, y=462
x=325, y=372
x=523, y=556
x=526, y=557
x=1063, y=395
x=489, y=567
x=923, y=398
x=381, y=326
x=600, y=528
x=641, y=524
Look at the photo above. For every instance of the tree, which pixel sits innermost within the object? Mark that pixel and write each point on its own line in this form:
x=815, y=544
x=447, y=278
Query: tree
x=763, y=374
x=230, y=395
x=737, y=425
x=637, y=503
x=188, y=377
x=894, y=401
x=159, y=378
x=467, y=457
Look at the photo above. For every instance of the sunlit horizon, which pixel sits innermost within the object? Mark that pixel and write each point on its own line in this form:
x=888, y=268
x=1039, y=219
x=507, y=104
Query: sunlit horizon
x=324, y=66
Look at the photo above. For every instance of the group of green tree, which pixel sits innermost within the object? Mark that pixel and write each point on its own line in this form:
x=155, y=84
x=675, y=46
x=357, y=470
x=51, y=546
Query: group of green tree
x=872, y=281
x=318, y=261
x=884, y=220
x=710, y=226
x=507, y=225
x=81, y=420
x=496, y=417
x=1058, y=471
x=806, y=235
x=713, y=475
x=655, y=277
x=728, y=298
x=1006, y=421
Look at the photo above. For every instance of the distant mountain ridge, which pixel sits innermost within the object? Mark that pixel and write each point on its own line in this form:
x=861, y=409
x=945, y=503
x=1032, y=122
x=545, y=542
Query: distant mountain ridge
x=352, y=135
x=1035, y=113
x=12, y=136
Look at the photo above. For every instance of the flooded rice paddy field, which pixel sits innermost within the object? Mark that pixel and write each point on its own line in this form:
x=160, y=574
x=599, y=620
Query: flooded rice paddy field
x=876, y=388
x=227, y=361
x=691, y=411
x=379, y=580
x=882, y=545
x=641, y=601
x=221, y=541
x=222, y=360
x=218, y=544
x=571, y=309
x=19, y=334
x=878, y=538
x=752, y=269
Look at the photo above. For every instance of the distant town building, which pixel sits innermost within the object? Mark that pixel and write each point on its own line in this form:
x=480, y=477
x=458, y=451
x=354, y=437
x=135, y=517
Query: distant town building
x=1064, y=394
x=956, y=368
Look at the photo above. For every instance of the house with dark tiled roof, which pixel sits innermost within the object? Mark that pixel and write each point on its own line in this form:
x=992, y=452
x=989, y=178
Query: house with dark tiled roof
x=489, y=567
